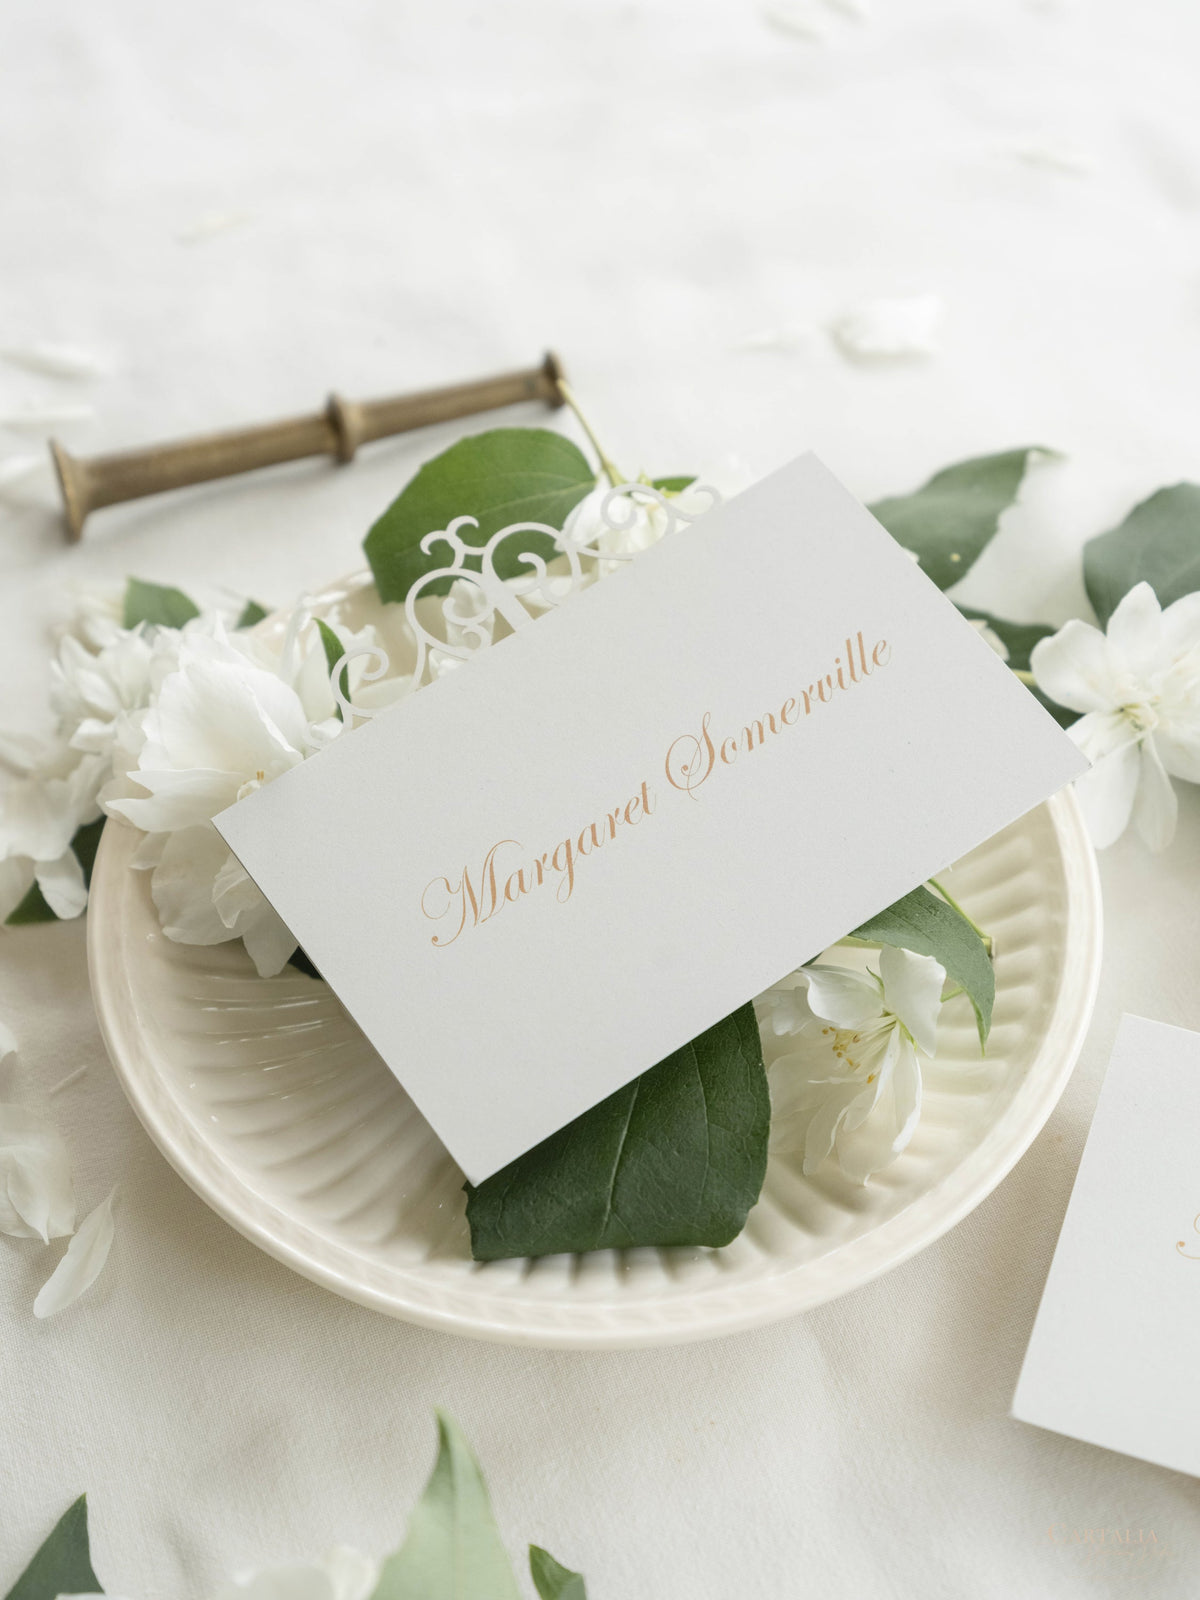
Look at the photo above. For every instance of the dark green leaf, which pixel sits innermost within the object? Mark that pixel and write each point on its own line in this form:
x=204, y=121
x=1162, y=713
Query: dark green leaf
x=670, y=486
x=506, y=475
x=1019, y=639
x=302, y=963
x=676, y=1157
x=1159, y=542
x=63, y=1565
x=252, y=612
x=334, y=651
x=551, y=1579
x=159, y=606
x=33, y=907
x=923, y=922
x=949, y=521
x=452, y=1550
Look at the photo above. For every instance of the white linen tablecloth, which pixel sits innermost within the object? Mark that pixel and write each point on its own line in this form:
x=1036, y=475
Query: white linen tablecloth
x=246, y=204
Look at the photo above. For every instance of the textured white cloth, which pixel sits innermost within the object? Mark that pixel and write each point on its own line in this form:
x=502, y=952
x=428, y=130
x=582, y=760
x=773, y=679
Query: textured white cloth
x=415, y=193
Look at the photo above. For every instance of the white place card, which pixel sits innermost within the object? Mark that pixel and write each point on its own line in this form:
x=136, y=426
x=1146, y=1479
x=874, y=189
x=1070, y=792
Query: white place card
x=552, y=867
x=1112, y=1359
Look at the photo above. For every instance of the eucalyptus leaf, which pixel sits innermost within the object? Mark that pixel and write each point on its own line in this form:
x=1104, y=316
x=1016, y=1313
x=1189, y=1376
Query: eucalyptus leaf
x=33, y=907
x=1158, y=543
x=677, y=1157
x=503, y=476
x=335, y=650
x=924, y=922
x=1019, y=638
x=157, y=605
x=63, y=1565
x=452, y=1550
x=950, y=520
x=672, y=486
x=551, y=1579
x=251, y=613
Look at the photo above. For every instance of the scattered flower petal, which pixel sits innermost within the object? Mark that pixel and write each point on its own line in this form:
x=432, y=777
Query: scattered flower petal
x=343, y=1574
x=1056, y=155
x=210, y=225
x=795, y=17
x=40, y=417
x=885, y=329
x=82, y=1264
x=16, y=469
x=55, y=360
x=36, y=1198
x=791, y=336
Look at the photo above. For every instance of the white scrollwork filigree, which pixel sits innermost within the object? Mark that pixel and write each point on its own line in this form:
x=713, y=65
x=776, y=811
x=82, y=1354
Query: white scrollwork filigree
x=478, y=596
x=370, y=674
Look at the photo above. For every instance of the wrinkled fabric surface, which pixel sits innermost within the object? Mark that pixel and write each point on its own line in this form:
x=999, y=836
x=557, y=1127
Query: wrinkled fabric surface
x=242, y=206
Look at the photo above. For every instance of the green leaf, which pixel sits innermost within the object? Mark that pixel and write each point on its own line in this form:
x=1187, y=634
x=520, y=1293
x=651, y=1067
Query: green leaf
x=1019, y=639
x=1159, y=542
x=452, y=1550
x=949, y=521
x=334, y=651
x=677, y=1157
x=669, y=486
x=303, y=963
x=505, y=475
x=33, y=907
x=63, y=1565
x=923, y=922
x=159, y=606
x=551, y=1579
x=252, y=612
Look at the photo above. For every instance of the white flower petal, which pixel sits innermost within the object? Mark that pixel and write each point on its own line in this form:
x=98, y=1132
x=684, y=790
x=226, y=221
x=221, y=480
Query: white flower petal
x=343, y=1574
x=55, y=360
x=16, y=880
x=268, y=942
x=1075, y=667
x=906, y=1092
x=877, y=329
x=62, y=885
x=844, y=997
x=182, y=886
x=1106, y=794
x=82, y=1264
x=36, y=1198
x=1135, y=632
x=912, y=991
x=1181, y=625
x=1156, y=807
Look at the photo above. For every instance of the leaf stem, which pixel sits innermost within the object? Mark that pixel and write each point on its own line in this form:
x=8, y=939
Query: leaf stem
x=969, y=920
x=606, y=464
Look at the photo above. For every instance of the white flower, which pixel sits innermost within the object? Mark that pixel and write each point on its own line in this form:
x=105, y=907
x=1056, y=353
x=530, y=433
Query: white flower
x=82, y=1264
x=219, y=728
x=343, y=1574
x=36, y=1198
x=852, y=1081
x=46, y=794
x=98, y=615
x=1139, y=691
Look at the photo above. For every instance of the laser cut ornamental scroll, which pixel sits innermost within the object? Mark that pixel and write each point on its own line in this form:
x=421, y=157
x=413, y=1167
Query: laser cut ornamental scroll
x=479, y=595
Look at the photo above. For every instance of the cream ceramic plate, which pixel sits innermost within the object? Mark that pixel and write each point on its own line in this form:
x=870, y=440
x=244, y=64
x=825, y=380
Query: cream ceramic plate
x=269, y=1101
